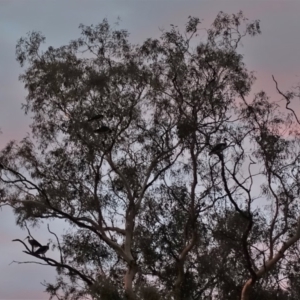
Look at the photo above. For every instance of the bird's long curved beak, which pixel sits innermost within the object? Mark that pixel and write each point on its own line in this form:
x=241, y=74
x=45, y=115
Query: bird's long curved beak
x=25, y=238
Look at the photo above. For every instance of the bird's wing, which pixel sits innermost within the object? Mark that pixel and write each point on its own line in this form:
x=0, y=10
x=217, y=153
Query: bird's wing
x=39, y=245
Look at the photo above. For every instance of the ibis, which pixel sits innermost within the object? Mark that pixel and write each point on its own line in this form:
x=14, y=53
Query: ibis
x=42, y=250
x=218, y=149
x=102, y=129
x=96, y=117
x=34, y=243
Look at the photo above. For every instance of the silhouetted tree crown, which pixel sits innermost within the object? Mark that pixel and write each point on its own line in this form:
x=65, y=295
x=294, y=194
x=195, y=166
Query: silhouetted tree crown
x=120, y=143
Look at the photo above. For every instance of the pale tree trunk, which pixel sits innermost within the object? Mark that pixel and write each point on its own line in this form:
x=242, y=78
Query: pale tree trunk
x=180, y=268
x=132, y=266
x=245, y=295
x=128, y=279
x=178, y=282
x=246, y=290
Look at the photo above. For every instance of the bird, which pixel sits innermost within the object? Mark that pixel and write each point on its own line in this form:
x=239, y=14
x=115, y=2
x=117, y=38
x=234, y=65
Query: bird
x=34, y=243
x=217, y=149
x=103, y=129
x=42, y=250
x=96, y=117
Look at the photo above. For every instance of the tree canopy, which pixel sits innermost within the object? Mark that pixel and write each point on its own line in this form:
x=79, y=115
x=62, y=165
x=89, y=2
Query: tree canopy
x=120, y=143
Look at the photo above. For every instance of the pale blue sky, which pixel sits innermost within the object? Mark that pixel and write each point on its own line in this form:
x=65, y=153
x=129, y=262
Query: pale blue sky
x=276, y=52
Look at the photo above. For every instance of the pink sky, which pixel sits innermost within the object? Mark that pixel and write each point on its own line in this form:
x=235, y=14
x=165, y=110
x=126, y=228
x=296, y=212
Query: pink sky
x=275, y=52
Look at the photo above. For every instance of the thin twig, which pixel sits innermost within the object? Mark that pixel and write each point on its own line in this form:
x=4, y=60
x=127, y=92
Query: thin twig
x=58, y=243
x=28, y=230
x=18, y=240
x=288, y=101
x=27, y=262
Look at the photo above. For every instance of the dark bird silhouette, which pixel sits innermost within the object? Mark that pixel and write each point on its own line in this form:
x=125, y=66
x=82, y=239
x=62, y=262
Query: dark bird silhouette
x=42, y=250
x=103, y=129
x=96, y=117
x=34, y=243
x=218, y=149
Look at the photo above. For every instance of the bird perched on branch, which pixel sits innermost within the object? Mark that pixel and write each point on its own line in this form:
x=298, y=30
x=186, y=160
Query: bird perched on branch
x=42, y=250
x=96, y=117
x=219, y=148
x=103, y=129
x=34, y=243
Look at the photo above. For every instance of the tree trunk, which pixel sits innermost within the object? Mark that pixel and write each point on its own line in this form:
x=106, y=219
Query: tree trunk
x=128, y=279
x=270, y=263
x=178, y=282
x=246, y=290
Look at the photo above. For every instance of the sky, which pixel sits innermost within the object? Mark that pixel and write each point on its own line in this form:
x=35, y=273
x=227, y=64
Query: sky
x=275, y=52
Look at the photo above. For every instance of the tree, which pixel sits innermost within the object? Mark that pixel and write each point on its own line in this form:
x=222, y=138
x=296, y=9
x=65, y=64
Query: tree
x=119, y=149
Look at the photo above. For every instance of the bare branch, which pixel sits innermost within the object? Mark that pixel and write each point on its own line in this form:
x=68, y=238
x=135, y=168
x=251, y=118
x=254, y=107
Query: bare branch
x=28, y=262
x=58, y=243
x=287, y=98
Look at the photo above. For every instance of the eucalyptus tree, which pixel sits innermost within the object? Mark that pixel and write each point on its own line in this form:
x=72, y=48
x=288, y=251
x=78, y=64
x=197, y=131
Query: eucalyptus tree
x=120, y=143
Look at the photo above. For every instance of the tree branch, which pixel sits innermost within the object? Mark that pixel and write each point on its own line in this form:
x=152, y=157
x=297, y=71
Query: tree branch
x=54, y=263
x=287, y=98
